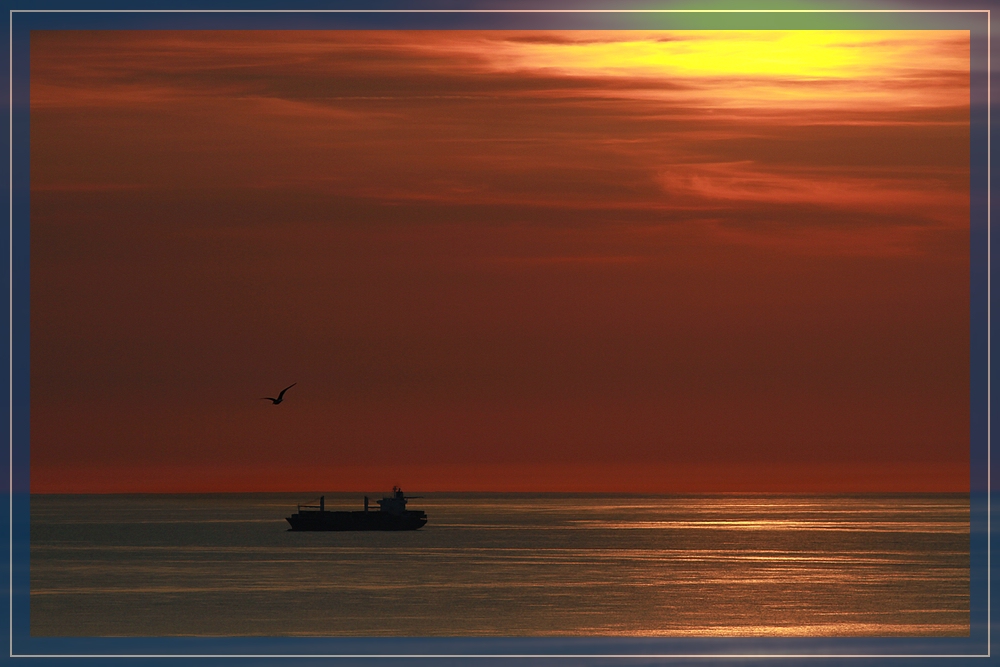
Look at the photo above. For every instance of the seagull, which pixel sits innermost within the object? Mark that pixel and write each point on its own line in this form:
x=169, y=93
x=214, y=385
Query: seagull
x=281, y=396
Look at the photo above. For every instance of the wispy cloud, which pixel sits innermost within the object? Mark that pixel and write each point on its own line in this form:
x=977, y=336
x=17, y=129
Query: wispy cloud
x=747, y=182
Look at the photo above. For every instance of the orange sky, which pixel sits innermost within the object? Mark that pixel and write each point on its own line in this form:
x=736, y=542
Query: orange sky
x=575, y=261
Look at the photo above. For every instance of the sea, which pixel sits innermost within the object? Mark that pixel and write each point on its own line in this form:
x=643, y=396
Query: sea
x=517, y=565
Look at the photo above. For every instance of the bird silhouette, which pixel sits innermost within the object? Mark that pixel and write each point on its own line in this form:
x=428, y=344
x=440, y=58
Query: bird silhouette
x=281, y=396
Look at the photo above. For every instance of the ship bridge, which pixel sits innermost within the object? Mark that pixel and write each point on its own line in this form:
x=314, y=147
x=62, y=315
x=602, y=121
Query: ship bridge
x=396, y=503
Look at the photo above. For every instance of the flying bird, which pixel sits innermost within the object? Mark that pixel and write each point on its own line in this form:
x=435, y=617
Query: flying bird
x=281, y=396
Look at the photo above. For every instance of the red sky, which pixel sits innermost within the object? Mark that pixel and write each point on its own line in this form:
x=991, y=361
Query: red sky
x=550, y=261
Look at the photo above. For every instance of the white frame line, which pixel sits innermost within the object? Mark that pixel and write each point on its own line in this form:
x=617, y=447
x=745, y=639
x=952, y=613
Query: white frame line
x=10, y=316
x=989, y=336
x=501, y=11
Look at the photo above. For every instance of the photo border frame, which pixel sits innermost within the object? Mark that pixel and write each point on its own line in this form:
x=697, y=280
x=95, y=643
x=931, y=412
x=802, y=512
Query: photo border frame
x=545, y=16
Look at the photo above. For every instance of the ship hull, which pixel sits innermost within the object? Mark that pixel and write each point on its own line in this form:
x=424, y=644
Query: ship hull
x=323, y=520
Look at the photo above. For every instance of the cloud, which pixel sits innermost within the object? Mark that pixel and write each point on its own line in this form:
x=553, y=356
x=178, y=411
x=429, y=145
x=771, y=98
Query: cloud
x=778, y=69
x=747, y=182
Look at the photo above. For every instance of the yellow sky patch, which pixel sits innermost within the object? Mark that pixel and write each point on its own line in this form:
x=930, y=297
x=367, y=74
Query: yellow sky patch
x=899, y=68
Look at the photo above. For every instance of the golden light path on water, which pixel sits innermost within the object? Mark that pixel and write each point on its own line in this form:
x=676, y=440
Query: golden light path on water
x=506, y=565
x=779, y=524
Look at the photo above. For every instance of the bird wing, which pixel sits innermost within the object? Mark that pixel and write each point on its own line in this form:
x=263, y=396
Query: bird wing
x=286, y=389
x=268, y=398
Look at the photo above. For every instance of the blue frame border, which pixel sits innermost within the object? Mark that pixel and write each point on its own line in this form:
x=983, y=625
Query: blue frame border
x=24, y=19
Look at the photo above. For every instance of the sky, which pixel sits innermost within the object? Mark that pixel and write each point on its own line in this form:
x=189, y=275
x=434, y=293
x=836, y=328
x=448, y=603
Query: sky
x=635, y=262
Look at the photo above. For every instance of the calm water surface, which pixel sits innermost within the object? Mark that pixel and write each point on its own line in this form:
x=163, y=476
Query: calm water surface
x=511, y=565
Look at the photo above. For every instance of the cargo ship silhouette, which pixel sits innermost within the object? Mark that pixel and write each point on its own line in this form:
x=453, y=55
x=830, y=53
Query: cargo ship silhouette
x=391, y=515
